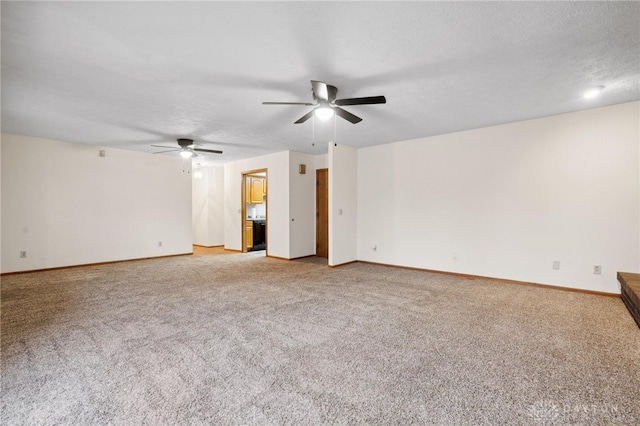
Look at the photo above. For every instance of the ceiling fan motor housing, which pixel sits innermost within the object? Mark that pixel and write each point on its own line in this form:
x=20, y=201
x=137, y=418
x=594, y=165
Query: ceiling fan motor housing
x=185, y=143
x=333, y=92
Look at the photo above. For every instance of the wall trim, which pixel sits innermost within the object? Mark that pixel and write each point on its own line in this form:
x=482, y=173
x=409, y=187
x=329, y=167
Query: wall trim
x=93, y=264
x=349, y=263
x=200, y=245
x=291, y=258
x=502, y=280
x=410, y=268
x=303, y=257
x=277, y=257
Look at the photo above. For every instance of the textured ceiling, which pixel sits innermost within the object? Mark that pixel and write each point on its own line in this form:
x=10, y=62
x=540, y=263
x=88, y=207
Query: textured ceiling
x=131, y=74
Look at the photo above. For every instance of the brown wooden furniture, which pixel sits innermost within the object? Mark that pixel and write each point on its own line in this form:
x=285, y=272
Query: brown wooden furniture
x=630, y=293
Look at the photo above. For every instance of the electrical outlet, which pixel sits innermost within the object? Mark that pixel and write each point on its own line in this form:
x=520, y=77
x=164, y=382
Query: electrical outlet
x=597, y=269
x=556, y=264
x=159, y=243
x=455, y=255
x=375, y=247
x=23, y=254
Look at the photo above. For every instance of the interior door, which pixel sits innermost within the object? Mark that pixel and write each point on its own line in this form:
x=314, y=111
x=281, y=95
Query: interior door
x=322, y=213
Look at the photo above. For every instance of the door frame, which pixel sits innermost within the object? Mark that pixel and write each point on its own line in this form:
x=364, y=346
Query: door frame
x=243, y=208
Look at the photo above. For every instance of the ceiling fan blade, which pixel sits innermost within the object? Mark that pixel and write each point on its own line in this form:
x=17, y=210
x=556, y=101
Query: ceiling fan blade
x=162, y=152
x=304, y=117
x=347, y=115
x=215, y=151
x=369, y=100
x=320, y=90
x=162, y=146
x=288, y=103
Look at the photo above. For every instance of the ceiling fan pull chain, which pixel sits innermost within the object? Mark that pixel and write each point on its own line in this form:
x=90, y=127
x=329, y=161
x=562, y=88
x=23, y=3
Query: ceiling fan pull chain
x=313, y=131
x=334, y=130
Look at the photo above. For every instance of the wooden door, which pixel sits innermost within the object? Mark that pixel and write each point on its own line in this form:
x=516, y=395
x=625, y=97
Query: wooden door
x=322, y=213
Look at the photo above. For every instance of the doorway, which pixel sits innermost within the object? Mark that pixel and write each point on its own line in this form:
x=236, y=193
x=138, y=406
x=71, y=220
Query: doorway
x=322, y=213
x=254, y=211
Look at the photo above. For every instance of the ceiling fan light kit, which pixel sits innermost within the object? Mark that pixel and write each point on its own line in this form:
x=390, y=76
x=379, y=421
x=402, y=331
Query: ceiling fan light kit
x=324, y=112
x=326, y=103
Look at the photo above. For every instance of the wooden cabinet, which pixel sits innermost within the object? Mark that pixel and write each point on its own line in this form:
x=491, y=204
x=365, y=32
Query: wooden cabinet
x=255, y=189
x=248, y=233
x=247, y=189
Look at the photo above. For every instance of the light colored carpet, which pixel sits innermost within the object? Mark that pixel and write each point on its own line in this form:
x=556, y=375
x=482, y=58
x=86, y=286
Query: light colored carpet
x=244, y=339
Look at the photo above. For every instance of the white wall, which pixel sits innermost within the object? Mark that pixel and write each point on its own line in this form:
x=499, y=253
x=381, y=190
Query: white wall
x=321, y=161
x=1, y=203
x=508, y=200
x=277, y=202
x=302, y=210
x=208, y=206
x=343, y=205
x=65, y=205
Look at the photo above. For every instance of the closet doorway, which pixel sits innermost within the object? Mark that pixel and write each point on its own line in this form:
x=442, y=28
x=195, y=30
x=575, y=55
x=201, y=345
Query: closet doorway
x=254, y=211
